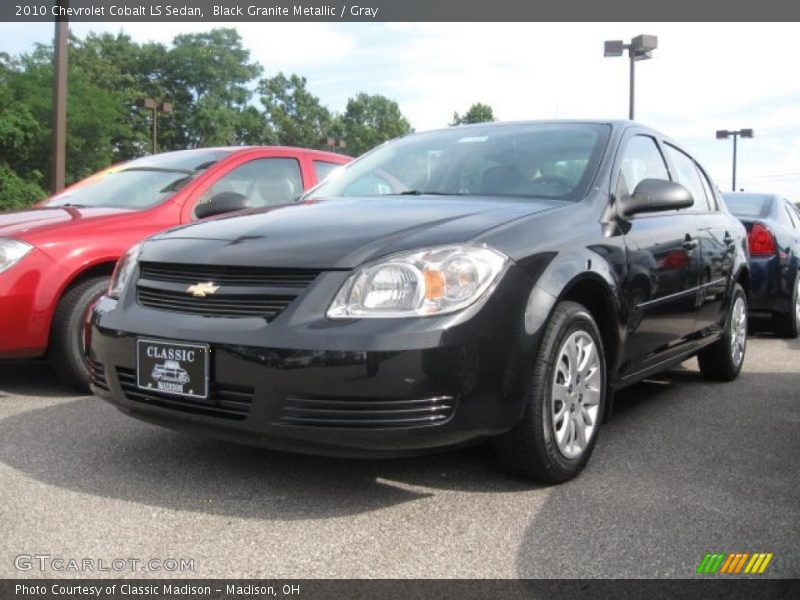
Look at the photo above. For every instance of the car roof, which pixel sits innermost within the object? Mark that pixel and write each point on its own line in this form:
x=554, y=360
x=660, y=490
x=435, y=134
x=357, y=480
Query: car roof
x=237, y=149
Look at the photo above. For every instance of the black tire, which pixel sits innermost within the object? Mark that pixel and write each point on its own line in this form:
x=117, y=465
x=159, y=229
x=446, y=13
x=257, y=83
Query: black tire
x=787, y=325
x=530, y=448
x=66, y=350
x=717, y=361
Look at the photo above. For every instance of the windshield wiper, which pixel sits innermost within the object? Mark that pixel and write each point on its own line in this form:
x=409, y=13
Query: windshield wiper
x=71, y=205
x=421, y=193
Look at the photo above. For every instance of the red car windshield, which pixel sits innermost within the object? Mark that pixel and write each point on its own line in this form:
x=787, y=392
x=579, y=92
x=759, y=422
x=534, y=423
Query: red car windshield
x=141, y=183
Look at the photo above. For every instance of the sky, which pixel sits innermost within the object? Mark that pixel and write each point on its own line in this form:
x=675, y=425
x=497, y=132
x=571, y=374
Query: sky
x=702, y=77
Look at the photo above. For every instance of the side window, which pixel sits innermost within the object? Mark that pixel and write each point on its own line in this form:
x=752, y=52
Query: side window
x=688, y=176
x=641, y=159
x=791, y=213
x=796, y=213
x=263, y=181
x=712, y=199
x=323, y=169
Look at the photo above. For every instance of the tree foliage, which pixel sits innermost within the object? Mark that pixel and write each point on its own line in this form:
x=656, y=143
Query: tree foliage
x=295, y=116
x=370, y=120
x=477, y=113
x=217, y=91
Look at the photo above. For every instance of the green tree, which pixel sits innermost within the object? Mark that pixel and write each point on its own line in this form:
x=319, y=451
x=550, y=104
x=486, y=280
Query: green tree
x=95, y=120
x=370, y=120
x=294, y=114
x=16, y=192
x=207, y=76
x=19, y=132
x=477, y=113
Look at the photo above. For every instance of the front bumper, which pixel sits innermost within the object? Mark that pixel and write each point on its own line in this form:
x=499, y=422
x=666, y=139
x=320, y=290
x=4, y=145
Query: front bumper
x=442, y=384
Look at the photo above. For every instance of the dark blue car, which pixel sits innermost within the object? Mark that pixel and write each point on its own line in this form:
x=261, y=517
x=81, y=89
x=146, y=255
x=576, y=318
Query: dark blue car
x=773, y=234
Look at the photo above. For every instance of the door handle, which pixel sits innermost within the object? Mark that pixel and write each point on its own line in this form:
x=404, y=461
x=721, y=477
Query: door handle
x=689, y=243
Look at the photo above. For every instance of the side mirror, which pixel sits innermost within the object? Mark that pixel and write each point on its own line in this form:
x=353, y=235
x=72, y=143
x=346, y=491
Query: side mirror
x=224, y=202
x=654, y=195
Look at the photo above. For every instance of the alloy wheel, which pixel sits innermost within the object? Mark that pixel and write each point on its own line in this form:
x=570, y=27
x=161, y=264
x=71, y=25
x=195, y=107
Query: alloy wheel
x=738, y=330
x=797, y=304
x=577, y=388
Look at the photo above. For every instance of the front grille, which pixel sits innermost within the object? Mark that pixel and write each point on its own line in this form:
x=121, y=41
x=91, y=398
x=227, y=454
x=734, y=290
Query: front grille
x=225, y=275
x=97, y=375
x=239, y=291
x=367, y=414
x=224, y=305
x=226, y=401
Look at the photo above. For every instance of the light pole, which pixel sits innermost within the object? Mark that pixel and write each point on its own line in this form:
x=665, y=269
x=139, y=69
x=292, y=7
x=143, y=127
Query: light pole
x=724, y=134
x=640, y=48
x=333, y=143
x=156, y=107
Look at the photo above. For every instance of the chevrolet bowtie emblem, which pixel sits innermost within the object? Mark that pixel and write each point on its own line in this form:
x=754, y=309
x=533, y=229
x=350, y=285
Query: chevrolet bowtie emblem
x=201, y=290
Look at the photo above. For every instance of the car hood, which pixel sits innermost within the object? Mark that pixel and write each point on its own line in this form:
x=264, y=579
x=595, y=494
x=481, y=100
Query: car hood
x=337, y=234
x=31, y=223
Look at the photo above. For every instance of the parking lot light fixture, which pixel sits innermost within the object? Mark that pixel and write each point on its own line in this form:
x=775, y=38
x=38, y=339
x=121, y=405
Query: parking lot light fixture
x=640, y=48
x=156, y=106
x=724, y=134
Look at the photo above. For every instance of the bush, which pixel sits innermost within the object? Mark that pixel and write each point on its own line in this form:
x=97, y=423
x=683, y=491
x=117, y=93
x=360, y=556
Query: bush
x=16, y=192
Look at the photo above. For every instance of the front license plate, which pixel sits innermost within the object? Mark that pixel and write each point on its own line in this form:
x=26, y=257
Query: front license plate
x=172, y=368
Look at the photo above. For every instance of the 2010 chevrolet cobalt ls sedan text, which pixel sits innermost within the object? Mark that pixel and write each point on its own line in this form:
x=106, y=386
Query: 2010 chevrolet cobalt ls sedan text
x=493, y=281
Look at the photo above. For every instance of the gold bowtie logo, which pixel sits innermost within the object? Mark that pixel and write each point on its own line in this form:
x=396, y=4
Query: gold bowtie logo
x=201, y=290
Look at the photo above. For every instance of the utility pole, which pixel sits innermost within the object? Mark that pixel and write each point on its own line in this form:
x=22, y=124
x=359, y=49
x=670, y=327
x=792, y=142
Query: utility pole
x=60, y=53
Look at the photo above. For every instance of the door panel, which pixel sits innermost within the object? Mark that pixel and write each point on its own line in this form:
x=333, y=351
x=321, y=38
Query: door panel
x=661, y=288
x=662, y=265
x=716, y=263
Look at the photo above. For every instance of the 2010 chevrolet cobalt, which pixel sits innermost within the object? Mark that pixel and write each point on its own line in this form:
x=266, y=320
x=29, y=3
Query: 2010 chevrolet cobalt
x=495, y=281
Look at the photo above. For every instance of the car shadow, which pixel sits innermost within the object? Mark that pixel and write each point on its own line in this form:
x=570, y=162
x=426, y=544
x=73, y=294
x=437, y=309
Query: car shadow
x=86, y=445
x=685, y=466
x=32, y=378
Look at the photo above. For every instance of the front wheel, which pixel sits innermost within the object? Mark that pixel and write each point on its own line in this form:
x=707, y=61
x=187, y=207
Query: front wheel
x=723, y=360
x=565, y=396
x=67, y=350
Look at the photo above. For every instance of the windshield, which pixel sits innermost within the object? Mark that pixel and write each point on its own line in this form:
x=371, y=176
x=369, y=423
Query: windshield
x=527, y=160
x=748, y=205
x=140, y=183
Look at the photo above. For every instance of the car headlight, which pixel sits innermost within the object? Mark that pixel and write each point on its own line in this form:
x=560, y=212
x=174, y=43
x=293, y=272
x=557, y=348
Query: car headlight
x=431, y=281
x=11, y=252
x=123, y=272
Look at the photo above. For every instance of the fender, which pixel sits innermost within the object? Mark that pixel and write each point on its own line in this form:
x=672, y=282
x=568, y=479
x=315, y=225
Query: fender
x=564, y=272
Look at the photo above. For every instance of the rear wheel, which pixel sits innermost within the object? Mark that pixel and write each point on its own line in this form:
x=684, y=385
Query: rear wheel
x=67, y=342
x=788, y=324
x=565, y=396
x=722, y=360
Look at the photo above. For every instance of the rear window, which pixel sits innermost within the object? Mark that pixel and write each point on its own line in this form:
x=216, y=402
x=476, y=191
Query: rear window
x=748, y=205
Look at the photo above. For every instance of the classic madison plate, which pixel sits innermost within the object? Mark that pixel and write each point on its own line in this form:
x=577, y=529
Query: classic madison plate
x=172, y=368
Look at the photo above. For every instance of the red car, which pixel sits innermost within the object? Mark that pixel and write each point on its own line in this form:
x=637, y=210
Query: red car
x=56, y=258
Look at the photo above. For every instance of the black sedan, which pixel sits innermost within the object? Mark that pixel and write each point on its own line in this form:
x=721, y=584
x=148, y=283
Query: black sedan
x=773, y=231
x=496, y=281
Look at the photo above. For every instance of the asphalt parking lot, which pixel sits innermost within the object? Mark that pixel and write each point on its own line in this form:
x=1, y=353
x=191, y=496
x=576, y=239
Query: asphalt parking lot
x=685, y=467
